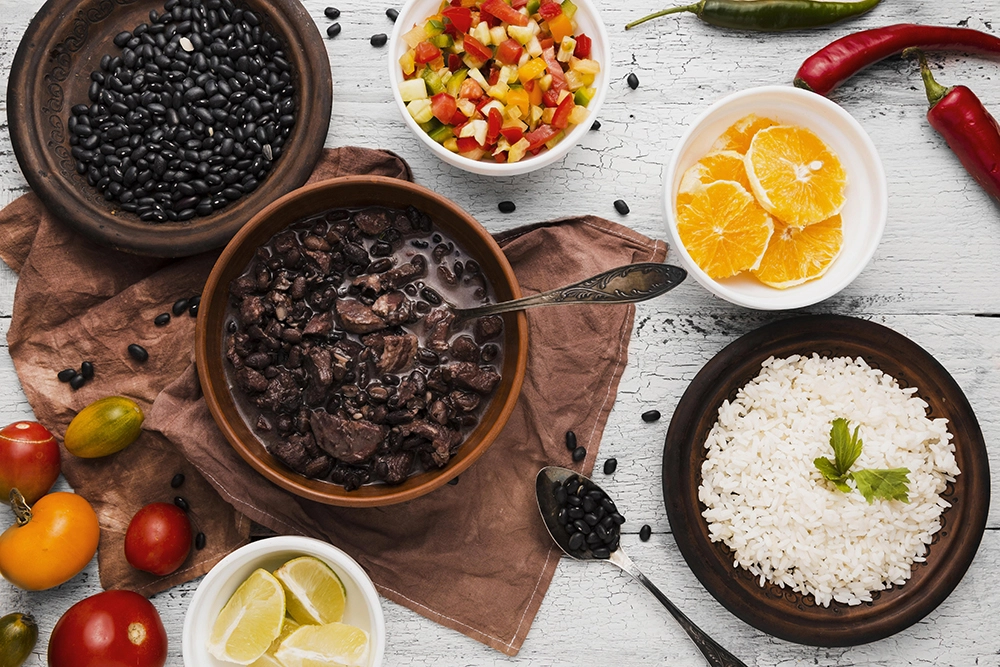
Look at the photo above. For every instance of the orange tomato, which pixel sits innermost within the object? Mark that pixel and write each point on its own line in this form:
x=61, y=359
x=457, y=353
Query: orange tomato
x=57, y=541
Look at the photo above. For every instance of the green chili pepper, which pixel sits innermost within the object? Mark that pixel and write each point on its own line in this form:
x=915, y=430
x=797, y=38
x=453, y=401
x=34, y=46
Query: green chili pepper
x=768, y=15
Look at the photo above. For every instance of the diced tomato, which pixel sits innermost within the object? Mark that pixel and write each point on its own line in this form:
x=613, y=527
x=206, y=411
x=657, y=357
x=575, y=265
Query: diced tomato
x=509, y=52
x=466, y=144
x=483, y=102
x=517, y=4
x=504, y=12
x=512, y=134
x=555, y=69
x=583, y=46
x=443, y=107
x=470, y=90
x=538, y=138
x=426, y=52
x=561, y=117
x=455, y=62
x=457, y=120
x=450, y=29
x=456, y=3
x=479, y=52
x=546, y=43
x=501, y=156
x=460, y=16
x=494, y=120
x=494, y=76
x=551, y=98
x=550, y=10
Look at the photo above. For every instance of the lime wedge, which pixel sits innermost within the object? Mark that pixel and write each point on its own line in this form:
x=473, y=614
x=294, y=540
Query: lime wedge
x=331, y=645
x=314, y=592
x=250, y=621
x=268, y=659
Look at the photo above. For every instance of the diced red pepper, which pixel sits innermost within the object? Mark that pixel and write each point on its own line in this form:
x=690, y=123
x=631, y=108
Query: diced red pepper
x=550, y=10
x=537, y=138
x=443, y=106
x=426, y=52
x=517, y=4
x=509, y=52
x=583, y=46
x=501, y=156
x=494, y=76
x=483, y=102
x=478, y=52
x=546, y=42
x=466, y=144
x=491, y=21
x=512, y=134
x=555, y=69
x=460, y=16
x=504, y=12
x=551, y=98
x=450, y=29
x=493, y=122
x=457, y=119
x=560, y=119
x=455, y=62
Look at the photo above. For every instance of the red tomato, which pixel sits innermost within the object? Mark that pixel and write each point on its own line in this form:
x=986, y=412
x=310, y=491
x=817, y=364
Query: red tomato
x=517, y=4
x=509, y=52
x=512, y=134
x=158, y=539
x=583, y=46
x=426, y=52
x=443, y=106
x=505, y=12
x=550, y=10
x=454, y=62
x=538, y=137
x=29, y=460
x=551, y=98
x=493, y=123
x=555, y=69
x=479, y=52
x=461, y=17
x=561, y=117
x=110, y=629
x=470, y=90
x=466, y=144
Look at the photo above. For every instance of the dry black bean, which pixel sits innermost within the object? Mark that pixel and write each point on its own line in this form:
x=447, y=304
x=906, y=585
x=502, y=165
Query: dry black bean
x=650, y=416
x=66, y=374
x=77, y=381
x=633, y=81
x=596, y=125
x=87, y=370
x=621, y=206
x=379, y=40
x=392, y=13
x=579, y=453
x=138, y=352
x=182, y=503
x=610, y=466
x=199, y=541
x=179, y=306
x=570, y=440
x=177, y=480
x=331, y=13
x=645, y=532
x=333, y=30
x=506, y=207
x=193, y=310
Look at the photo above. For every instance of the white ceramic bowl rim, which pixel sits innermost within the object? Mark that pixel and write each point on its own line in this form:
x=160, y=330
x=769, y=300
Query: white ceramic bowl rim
x=409, y=15
x=794, y=297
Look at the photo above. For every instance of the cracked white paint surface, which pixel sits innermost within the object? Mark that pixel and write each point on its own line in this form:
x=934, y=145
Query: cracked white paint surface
x=933, y=276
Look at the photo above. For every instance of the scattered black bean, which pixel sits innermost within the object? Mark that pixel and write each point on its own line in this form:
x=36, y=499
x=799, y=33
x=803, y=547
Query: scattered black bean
x=162, y=319
x=621, y=206
x=645, y=532
x=610, y=466
x=506, y=207
x=392, y=13
x=379, y=40
x=595, y=126
x=138, y=352
x=633, y=81
x=182, y=503
x=570, y=440
x=193, y=310
x=334, y=29
x=66, y=374
x=177, y=480
x=199, y=541
x=77, y=381
x=331, y=13
x=579, y=453
x=650, y=416
x=179, y=306
x=87, y=370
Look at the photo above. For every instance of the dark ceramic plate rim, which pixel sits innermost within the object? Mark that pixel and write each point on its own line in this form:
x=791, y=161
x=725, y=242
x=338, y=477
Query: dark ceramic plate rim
x=62, y=193
x=780, y=612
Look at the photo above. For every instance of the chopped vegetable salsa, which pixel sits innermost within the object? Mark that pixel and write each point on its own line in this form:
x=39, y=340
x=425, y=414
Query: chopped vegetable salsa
x=496, y=81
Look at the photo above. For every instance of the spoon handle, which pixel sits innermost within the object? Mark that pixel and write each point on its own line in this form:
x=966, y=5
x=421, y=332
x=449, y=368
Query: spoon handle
x=716, y=655
x=624, y=284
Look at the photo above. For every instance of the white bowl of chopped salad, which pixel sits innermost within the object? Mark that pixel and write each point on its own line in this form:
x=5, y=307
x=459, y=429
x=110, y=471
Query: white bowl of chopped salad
x=499, y=87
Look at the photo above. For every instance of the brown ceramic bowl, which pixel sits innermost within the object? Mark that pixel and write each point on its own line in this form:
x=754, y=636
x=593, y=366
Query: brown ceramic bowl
x=356, y=191
x=51, y=73
x=781, y=611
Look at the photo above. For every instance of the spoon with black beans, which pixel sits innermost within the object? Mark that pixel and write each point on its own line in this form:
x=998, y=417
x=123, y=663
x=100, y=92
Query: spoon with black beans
x=586, y=524
x=624, y=284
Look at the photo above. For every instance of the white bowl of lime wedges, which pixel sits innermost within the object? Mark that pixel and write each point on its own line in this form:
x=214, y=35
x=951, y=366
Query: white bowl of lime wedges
x=290, y=598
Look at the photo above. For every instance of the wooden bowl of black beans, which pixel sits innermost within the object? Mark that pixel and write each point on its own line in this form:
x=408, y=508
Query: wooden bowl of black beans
x=159, y=127
x=329, y=352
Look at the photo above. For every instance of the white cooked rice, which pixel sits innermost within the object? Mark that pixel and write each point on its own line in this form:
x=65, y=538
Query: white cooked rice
x=785, y=523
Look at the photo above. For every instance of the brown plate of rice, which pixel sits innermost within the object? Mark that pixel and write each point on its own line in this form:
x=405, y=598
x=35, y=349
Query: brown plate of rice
x=775, y=544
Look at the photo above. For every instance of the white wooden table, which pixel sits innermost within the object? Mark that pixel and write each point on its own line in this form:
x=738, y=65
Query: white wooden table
x=934, y=279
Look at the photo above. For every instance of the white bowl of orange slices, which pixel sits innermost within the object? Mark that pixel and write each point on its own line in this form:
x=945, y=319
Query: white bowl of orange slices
x=775, y=198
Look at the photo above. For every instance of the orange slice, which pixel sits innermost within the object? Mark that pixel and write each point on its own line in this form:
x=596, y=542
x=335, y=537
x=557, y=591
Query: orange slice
x=796, y=255
x=738, y=136
x=795, y=176
x=723, y=229
x=721, y=166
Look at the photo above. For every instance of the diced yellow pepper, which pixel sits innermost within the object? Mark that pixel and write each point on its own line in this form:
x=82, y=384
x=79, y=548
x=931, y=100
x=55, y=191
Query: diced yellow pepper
x=451, y=144
x=588, y=79
x=408, y=62
x=560, y=26
x=533, y=69
x=535, y=95
x=519, y=97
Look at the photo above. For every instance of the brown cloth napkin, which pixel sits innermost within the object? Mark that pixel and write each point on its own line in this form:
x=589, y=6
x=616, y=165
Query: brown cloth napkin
x=473, y=557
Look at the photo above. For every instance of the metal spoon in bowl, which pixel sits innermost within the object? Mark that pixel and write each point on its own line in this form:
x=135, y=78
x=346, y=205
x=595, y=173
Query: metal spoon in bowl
x=545, y=484
x=624, y=284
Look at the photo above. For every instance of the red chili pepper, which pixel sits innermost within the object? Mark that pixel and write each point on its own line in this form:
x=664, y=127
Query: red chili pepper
x=840, y=60
x=583, y=46
x=971, y=132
